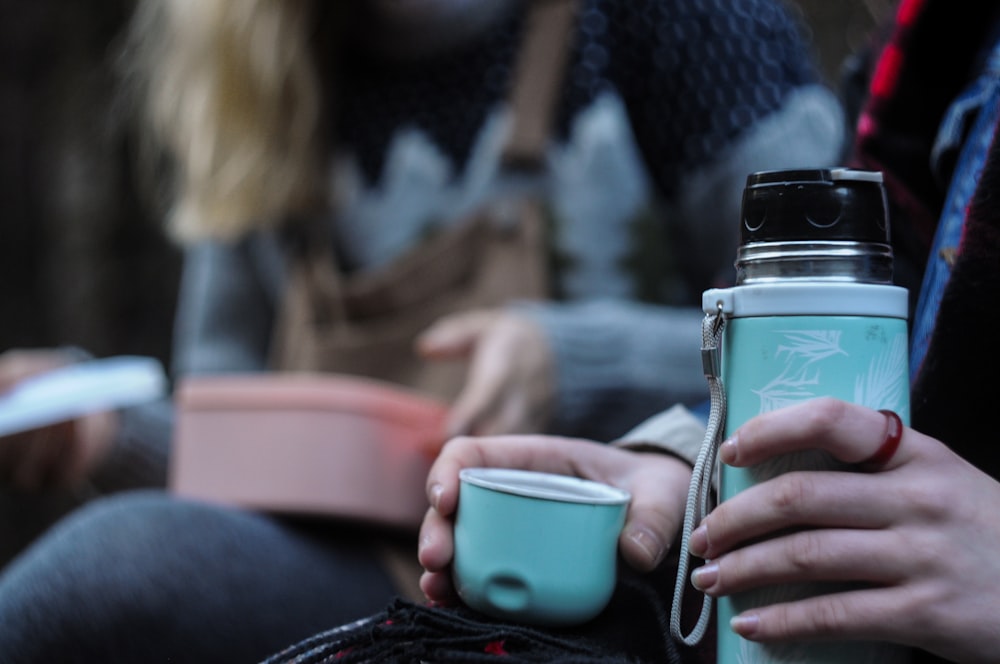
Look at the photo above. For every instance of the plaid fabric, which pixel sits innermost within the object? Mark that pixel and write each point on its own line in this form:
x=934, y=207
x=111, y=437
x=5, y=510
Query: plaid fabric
x=406, y=632
x=925, y=64
x=633, y=629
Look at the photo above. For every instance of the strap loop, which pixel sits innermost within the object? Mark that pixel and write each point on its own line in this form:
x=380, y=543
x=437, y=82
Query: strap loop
x=700, y=491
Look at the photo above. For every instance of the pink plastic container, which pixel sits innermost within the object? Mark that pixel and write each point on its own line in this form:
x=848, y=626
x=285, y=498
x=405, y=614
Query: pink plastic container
x=309, y=444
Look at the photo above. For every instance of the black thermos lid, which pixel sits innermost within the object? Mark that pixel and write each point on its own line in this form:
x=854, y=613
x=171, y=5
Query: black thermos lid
x=825, y=205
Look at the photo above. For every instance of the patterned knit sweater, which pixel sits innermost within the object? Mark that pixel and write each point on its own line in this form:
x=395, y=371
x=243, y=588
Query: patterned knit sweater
x=667, y=105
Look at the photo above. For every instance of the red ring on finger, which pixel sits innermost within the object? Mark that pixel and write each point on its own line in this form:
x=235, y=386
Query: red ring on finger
x=893, y=435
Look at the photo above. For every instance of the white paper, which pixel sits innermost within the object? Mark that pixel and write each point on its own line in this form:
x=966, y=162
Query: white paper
x=78, y=389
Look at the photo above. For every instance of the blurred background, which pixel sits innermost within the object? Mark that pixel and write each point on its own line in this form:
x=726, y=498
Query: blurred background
x=83, y=260
x=82, y=257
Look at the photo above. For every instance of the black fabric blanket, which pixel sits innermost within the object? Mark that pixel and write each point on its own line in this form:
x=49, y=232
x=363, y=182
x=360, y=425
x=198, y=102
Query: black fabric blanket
x=633, y=629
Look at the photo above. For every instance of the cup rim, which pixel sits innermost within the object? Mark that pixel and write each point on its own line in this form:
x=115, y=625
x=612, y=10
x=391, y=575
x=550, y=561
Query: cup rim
x=547, y=486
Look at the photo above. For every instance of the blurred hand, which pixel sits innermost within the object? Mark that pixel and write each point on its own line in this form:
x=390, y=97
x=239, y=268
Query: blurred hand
x=62, y=454
x=658, y=484
x=920, y=533
x=510, y=385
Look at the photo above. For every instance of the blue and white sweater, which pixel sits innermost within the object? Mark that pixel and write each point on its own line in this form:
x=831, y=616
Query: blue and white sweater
x=667, y=105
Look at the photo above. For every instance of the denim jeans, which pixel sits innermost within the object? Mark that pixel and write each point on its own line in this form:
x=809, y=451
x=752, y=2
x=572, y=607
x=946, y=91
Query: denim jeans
x=143, y=577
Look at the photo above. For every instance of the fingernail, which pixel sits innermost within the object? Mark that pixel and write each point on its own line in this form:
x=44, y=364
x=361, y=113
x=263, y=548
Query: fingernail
x=435, y=494
x=705, y=577
x=699, y=541
x=728, y=452
x=745, y=625
x=648, y=542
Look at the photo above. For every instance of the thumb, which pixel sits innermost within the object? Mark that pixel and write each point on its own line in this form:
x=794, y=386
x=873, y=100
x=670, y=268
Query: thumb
x=18, y=365
x=455, y=335
x=656, y=512
x=644, y=541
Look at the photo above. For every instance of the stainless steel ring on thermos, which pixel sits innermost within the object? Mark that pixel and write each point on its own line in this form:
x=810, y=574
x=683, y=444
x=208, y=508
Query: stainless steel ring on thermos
x=813, y=313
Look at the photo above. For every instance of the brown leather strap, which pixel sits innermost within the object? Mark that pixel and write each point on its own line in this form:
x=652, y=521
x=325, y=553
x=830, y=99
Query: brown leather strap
x=538, y=76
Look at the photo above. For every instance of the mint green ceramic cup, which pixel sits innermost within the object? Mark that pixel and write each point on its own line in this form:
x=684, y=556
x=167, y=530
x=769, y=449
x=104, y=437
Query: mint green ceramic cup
x=536, y=547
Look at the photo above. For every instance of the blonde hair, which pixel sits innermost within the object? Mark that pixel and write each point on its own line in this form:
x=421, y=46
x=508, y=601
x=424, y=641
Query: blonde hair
x=230, y=90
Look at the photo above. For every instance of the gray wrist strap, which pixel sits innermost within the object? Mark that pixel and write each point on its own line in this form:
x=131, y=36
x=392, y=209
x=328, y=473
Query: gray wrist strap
x=700, y=491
